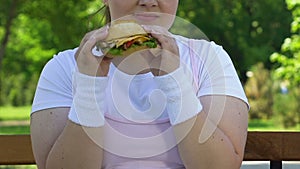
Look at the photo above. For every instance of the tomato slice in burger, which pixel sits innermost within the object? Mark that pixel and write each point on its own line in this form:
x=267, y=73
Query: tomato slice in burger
x=128, y=44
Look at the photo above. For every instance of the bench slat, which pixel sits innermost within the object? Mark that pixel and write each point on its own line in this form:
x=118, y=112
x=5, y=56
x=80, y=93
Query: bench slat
x=273, y=146
x=15, y=149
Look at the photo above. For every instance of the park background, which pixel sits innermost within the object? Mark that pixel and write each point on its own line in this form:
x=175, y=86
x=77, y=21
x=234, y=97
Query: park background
x=262, y=38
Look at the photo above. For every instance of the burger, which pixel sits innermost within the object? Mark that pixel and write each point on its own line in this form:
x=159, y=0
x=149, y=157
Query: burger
x=126, y=37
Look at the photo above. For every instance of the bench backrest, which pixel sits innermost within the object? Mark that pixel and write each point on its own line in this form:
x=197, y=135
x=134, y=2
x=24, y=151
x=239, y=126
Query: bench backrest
x=261, y=146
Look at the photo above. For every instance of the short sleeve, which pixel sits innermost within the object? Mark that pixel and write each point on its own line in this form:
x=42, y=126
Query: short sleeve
x=216, y=72
x=54, y=88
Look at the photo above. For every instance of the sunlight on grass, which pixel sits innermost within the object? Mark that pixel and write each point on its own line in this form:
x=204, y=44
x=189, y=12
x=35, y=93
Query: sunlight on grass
x=18, y=167
x=14, y=120
x=15, y=113
x=269, y=125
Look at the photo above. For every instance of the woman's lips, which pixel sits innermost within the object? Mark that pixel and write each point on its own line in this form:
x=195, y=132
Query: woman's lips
x=146, y=16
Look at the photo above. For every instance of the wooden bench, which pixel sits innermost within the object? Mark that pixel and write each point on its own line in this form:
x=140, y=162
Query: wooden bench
x=275, y=147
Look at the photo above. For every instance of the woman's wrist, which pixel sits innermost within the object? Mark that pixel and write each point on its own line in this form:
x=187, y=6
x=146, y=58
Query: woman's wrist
x=88, y=100
x=182, y=102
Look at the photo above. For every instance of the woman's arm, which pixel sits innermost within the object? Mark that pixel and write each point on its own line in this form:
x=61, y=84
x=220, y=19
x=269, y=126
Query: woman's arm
x=224, y=146
x=59, y=143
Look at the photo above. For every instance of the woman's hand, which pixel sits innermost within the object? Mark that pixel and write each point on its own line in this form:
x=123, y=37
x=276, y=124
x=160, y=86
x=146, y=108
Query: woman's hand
x=165, y=59
x=87, y=62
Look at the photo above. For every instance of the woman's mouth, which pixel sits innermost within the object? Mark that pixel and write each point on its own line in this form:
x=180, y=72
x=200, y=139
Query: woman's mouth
x=146, y=16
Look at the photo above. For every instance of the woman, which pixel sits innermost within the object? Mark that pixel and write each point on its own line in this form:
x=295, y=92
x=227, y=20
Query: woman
x=203, y=124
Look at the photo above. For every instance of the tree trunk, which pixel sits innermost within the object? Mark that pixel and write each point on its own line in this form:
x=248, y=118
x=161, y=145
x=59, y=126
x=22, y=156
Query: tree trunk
x=11, y=15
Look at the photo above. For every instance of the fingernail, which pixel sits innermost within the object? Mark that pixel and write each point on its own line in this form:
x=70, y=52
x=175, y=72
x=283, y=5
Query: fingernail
x=106, y=27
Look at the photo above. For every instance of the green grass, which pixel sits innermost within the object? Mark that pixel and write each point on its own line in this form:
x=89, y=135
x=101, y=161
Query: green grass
x=18, y=167
x=15, y=129
x=23, y=113
x=10, y=114
x=15, y=113
x=269, y=125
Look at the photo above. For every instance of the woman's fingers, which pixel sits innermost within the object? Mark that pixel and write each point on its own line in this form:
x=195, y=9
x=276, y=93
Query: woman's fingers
x=91, y=38
x=87, y=62
x=164, y=37
x=166, y=59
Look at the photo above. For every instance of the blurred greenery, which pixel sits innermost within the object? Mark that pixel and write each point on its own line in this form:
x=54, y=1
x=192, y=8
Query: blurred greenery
x=249, y=30
x=272, y=101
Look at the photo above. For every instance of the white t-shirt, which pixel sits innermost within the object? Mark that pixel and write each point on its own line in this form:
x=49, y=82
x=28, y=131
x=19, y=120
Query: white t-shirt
x=207, y=65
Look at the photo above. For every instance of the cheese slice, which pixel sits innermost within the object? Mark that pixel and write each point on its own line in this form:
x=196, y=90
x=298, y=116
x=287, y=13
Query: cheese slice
x=136, y=38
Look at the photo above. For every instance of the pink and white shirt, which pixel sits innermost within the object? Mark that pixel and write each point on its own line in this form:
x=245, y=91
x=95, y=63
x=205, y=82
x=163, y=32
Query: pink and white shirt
x=135, y=137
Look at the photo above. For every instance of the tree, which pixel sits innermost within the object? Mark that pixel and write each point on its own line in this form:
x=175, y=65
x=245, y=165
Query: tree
x=287, y=70
x=68, y=19
x=249, y=30
x=9, y=12
x=289, y=58
x=37, y=30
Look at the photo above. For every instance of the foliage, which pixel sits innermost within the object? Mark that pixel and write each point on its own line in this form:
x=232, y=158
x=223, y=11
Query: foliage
x=272, y=99
x=68, y=21
x=249, y=30
x=37, y=31
x=286, y=106
x=287, y=70
x=259, y=92
x=289, y=57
